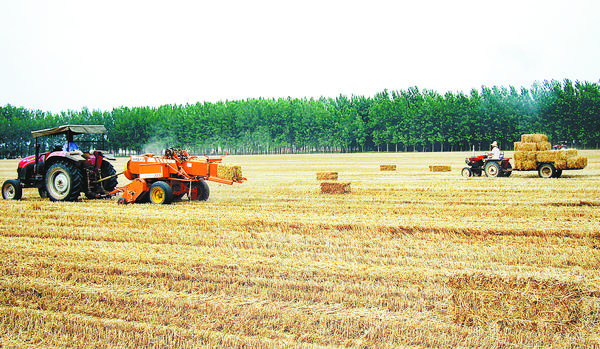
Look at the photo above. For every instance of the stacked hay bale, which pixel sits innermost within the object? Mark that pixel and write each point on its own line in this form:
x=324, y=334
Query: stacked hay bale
x=332, y=187
x=440, y=168
x=518, y=303
x=535, y=148
x=233, y=173
x=387, y=167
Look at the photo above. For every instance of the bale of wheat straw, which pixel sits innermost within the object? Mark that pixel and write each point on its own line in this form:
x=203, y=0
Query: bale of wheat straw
x=525, y=164
x=577, y=162
x=565, y=154
x=327, y=176
x=230, y=172
x=541, y=146
x=522, y=146
x=440, y=168
x=515, y=302
x=387, y=167
x=534, y=138
x=548, y=156
x=335, y=188
x=525, y=155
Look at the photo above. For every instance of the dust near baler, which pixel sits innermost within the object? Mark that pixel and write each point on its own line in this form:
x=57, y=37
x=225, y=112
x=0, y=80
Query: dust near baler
x=160, y=179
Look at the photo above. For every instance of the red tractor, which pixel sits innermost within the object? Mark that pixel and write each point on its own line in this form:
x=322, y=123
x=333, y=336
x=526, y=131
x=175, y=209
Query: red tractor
x=492, y=167
x=63, y=173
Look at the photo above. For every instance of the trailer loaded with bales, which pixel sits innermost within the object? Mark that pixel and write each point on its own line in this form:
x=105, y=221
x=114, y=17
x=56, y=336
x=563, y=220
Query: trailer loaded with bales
x=532, y=153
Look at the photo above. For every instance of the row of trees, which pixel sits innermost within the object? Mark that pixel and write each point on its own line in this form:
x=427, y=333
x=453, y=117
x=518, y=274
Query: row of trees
x=407, y=120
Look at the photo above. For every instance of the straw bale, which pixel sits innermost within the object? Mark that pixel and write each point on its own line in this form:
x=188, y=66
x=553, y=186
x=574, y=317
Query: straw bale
x=577, y=162
x=440, y=168
x=327, y=176
x=548, y=156
x=387, y=168
x=567, y=153
x=525, y=155
x=522, y=146
x=534, y=138
x=541, y=146
x=560, y=164
x=518, y=303
x=335, y=188
x=525, y=165
x=230, y=172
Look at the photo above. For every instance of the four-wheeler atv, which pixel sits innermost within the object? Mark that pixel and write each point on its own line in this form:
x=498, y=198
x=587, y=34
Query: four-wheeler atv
x=65, y=172
x=492, y=167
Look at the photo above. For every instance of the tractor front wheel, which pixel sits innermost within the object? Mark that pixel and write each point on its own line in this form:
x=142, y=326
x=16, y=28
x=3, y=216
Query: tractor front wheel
x=466, y=172
x=12, y=190
x=161, y=193
x=492, y=169
x=63, y=182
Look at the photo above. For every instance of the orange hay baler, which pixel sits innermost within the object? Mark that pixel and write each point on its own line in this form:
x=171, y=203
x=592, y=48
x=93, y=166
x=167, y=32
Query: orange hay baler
x=160, y=179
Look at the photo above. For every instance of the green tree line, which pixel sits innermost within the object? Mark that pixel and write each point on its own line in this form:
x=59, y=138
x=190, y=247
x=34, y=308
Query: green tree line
x=405, y=120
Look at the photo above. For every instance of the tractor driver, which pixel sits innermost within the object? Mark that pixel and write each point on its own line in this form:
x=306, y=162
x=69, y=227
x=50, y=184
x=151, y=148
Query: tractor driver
x=495, y=154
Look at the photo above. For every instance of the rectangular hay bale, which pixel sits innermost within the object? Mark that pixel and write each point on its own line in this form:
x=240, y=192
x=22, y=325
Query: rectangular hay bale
x=335, y=188
x=525, y=146
x=577, y=162
x=567, y=153
x=231, y=172
x=548, y=156
x=387, y=167
x=327, y=176
x=440, y=168
x=534, y=138
x=525, y=155
x=541, y=146
x=515, y=302
x=525, y=165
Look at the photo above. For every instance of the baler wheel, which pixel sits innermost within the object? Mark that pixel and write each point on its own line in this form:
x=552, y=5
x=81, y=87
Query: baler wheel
x=161, y=193
x=203, y=191
x=12, y=190
x=122, y=201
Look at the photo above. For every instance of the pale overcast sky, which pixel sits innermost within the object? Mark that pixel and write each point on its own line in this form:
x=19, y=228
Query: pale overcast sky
x=59, y=55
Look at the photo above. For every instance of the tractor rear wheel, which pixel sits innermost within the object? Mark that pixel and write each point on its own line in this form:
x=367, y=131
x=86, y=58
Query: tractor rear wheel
x=546, y=171
x=63, y=182
x=161, y=193
x=492, y=169
x=107, y=170
x=466, y=172
x=12, y=190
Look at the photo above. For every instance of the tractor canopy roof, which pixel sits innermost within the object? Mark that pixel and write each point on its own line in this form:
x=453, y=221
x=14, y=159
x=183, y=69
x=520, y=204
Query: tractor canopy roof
x=69, y=129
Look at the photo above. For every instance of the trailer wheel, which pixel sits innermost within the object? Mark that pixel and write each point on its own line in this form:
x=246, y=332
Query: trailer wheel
x=558, y=173
x=546, y=171
x=466, y=172
x=161, y=193
x=63, y=182
x=12, y=190
x=492, y=169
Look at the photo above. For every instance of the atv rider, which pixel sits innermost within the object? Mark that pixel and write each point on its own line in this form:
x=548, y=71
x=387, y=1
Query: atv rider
x=495, y=154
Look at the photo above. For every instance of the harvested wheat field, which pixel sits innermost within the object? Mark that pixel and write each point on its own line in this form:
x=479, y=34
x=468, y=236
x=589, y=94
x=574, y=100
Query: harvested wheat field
x=407, y=258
